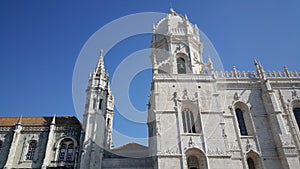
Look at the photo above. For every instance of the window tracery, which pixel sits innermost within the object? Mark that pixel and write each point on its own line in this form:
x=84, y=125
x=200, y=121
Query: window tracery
x=66, y=150
x=195, y=159
x=31, y=150
x=193, y=162
x=188, y=121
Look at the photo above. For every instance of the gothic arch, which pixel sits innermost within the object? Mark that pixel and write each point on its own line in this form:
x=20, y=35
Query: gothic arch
x=56, y=145
x=243, y=118
x=253, y=160
x=195, y=159
x=65, y=149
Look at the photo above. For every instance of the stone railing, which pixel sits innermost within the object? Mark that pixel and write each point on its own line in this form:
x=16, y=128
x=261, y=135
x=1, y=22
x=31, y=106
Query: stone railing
x=178, y=30
x=253, y=74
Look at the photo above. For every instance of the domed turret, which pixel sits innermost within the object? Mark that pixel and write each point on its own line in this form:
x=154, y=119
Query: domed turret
x=176, y=24
x=176, y=46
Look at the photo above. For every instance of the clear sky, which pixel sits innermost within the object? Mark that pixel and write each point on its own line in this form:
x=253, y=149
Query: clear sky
x=41, y=40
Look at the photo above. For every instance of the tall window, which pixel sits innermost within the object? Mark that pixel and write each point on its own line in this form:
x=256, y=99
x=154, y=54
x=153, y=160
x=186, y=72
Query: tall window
x=62, y=152
x=250, y=163
x=193, y=162
x=297, y=115
x=1, y=145
x=31, y=150
x=241, y=121
x=100, y=104
x=66, y=150
x=188, y=121
x=181, y=68
x=70, y=152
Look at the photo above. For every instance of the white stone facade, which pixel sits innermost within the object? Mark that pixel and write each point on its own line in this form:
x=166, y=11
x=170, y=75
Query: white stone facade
x=200, y=118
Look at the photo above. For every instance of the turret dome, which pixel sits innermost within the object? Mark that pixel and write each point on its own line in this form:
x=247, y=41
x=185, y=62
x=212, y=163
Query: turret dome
x=175, y=23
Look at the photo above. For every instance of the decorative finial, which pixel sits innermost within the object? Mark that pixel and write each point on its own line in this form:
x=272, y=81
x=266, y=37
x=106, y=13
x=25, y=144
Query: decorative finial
x=53, y=119
x=210, y=64
x=286, y=71
x=255, y=62
x=186, y=17
x=172, y=12
x=20, y=120
x=101, y=53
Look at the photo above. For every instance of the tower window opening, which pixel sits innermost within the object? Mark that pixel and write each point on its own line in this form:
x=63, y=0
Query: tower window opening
x=181, y=68
x=100, y=104
x=250, y=163
x=193, y=162
x=241, y=121
x=188, y=121
x=94, y=103
x=296, y=112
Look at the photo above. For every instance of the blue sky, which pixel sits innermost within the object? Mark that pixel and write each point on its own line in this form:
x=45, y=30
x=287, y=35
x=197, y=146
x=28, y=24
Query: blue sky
x=41, y=40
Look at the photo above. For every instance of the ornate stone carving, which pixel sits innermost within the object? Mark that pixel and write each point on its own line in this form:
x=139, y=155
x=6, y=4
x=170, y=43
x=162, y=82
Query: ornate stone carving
x=185, y=94
x=191, y=143
x=236, y=96
x=171, y=151
x=295, y=95
x=249, y=146
x=232, y=146
x=217, y=152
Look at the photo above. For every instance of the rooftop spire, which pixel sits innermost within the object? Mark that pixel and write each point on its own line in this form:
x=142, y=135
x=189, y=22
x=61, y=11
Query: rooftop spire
x=53, y=119
x=259, y=69
x=20, y=120
x=172, y=12
x=100, y=65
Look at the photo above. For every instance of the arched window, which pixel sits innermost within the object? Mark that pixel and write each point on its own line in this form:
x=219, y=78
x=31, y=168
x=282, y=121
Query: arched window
x=66, y=150
x=193, y=162
x=297, y=115
x=196, y=159
x=181, y=68
x=188, y=121
x=62, y=152
x=31, y=150
x=70, y=152
x=241, y=121
x=250, y=163
x=253, y=160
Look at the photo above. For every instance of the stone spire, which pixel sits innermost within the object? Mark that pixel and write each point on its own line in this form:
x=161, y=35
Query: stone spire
x=20, y=121
x=100, y=65
x=53, y=120
x=260, y=70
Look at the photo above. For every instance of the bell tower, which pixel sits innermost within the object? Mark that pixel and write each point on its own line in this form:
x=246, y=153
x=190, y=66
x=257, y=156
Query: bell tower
x=97, y=118
x=176, y=46
x=174, y=121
